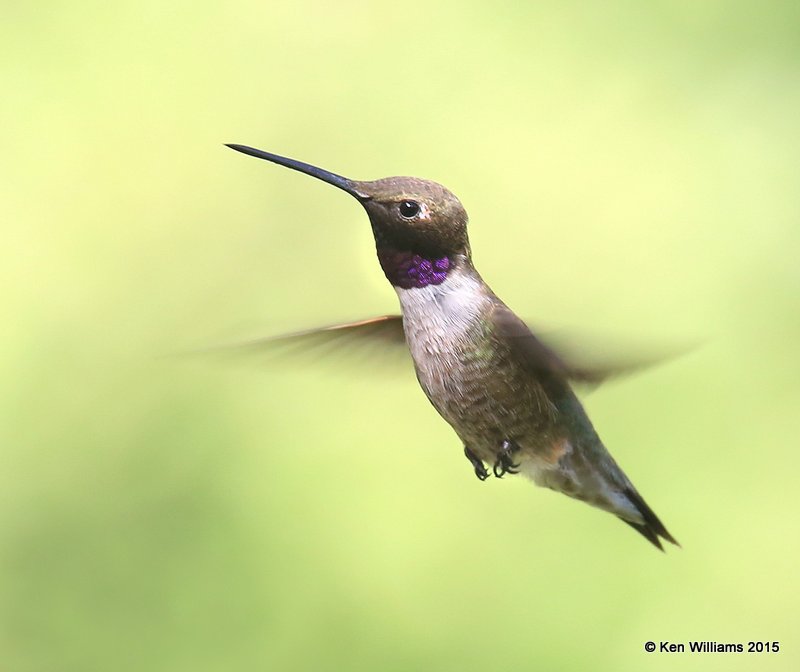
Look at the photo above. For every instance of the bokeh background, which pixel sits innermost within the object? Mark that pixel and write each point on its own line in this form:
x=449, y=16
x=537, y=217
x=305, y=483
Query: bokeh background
x=630, y=170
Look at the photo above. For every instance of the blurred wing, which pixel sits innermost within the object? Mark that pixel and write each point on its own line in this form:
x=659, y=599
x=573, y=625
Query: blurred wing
x=379, y=336
x=386, y=329
x=555, y=357
x=539, y=358
x=381, y=341
x=590, y=363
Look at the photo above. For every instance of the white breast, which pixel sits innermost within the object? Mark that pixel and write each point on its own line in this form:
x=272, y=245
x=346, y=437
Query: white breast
x=441, y=313
x=436, y=319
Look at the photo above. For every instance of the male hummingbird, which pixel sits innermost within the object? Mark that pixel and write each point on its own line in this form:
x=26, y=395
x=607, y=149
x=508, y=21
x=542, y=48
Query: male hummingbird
x=505, y=393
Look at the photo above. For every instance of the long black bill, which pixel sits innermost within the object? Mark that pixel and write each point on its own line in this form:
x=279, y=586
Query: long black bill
x=350, y=186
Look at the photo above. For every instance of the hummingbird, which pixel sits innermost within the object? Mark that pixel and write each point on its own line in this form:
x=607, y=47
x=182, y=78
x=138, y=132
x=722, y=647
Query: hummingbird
x=507, y=394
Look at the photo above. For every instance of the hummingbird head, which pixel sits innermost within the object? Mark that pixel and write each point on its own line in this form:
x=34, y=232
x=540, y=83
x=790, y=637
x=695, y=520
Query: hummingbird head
x=409, y=213
x=420, y=227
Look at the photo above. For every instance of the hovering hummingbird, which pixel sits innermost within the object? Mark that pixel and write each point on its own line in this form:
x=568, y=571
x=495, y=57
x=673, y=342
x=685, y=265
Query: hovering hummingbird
x=506, y=394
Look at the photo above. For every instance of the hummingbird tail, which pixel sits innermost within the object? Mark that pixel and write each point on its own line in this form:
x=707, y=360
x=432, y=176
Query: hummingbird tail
x=652, y=528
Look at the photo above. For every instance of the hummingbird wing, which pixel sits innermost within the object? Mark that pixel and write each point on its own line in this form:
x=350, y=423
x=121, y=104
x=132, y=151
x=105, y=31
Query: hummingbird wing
x=375, y=335
x=386, y=329
x=551, y=355
x=382, y=338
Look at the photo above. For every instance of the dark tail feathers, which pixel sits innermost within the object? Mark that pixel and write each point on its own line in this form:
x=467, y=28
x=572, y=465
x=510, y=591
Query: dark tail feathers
x=652, y=528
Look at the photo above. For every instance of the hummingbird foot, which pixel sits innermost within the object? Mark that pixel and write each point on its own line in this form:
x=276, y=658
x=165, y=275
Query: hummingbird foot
x=477, y=464
x=505, y=463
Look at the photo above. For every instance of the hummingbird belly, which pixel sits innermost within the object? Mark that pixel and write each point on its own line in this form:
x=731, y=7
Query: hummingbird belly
x=487, y=402
x=469, y=376
x=482, y=391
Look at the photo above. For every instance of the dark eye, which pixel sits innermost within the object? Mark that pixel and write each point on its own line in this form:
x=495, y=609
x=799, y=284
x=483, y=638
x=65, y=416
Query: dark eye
x=409, y=209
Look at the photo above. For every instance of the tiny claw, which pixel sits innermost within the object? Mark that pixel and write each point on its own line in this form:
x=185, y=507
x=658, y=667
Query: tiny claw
x=500, y=469
x=477, y=465
x=504, y=465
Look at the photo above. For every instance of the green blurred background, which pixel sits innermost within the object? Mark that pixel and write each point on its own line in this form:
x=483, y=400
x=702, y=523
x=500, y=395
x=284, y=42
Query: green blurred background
x=629, y=168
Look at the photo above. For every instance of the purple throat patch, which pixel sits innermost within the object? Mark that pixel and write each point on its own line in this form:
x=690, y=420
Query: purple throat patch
x=409, y=270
